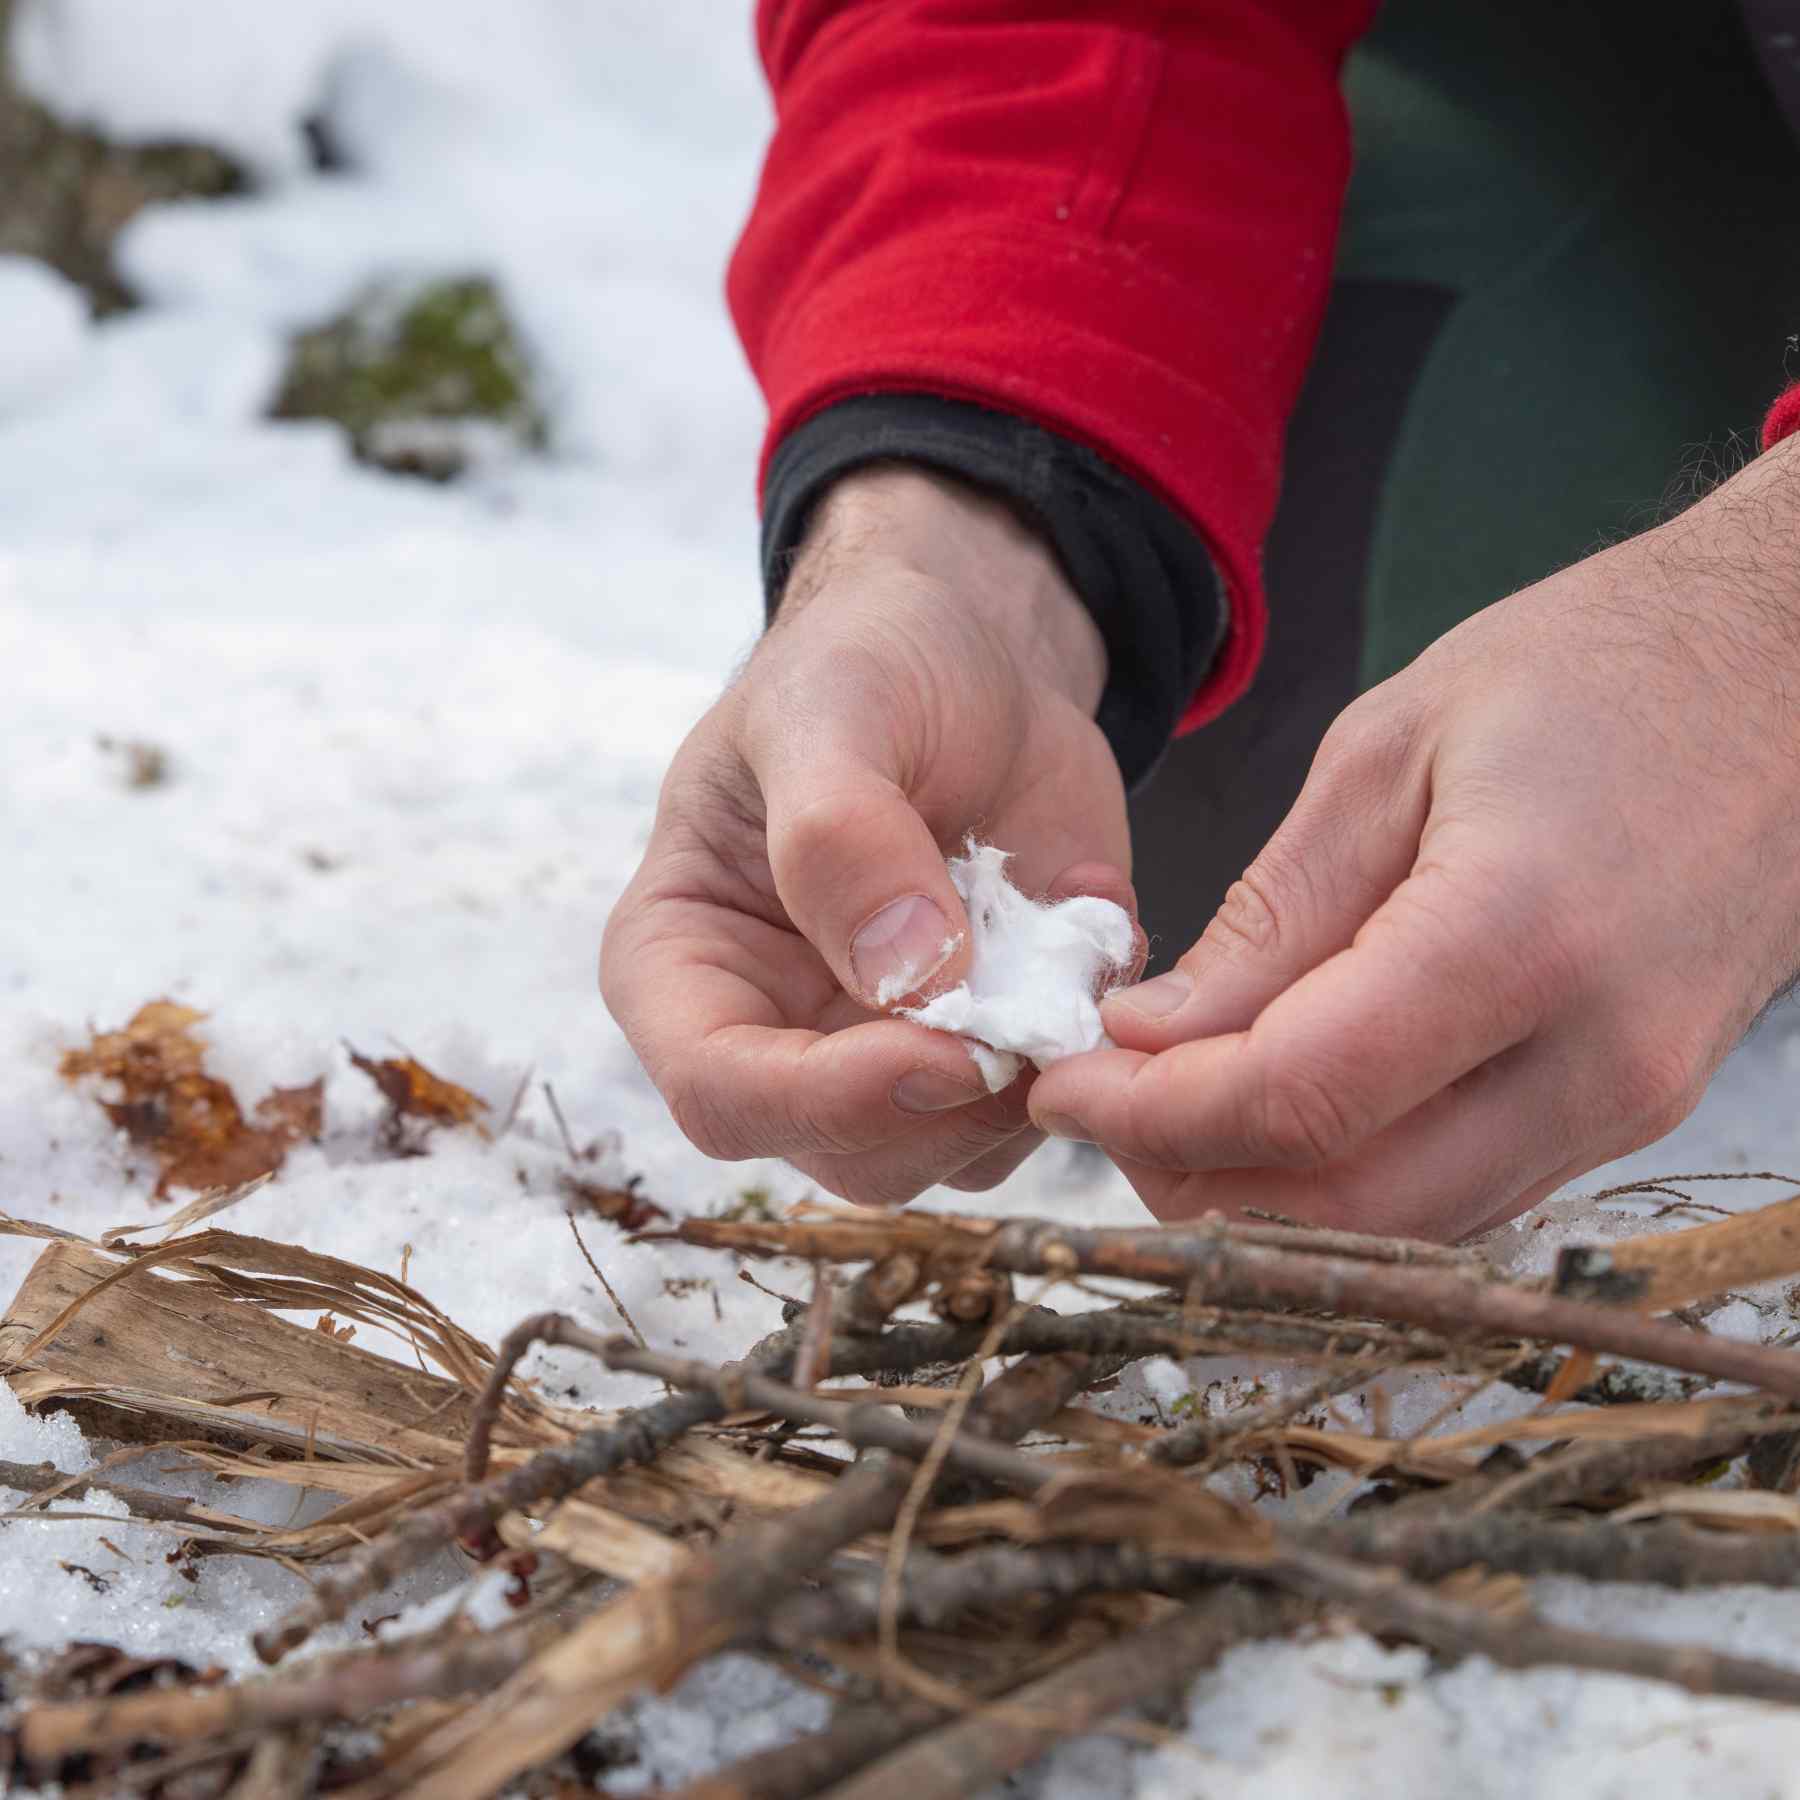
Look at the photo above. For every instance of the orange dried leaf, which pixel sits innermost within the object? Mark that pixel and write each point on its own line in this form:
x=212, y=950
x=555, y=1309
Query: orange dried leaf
x=624, y=1206
x=189, y=1120
x=299, y=1111
x=413, y=1092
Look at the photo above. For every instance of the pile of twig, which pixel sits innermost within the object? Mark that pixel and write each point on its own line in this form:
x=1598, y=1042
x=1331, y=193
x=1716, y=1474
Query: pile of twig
x=855, y=1499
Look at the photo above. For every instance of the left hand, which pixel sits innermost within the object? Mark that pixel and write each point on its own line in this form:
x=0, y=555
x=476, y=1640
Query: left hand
x=1535, y=888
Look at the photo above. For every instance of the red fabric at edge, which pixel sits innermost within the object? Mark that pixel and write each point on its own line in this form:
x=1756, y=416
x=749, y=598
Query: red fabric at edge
x=1114, y=217
x=1783, y=419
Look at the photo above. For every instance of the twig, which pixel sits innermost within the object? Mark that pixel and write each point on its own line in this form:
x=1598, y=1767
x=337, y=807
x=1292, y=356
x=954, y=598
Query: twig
x=345, y=1686
x=1321, y=1240
x=636, y=1437
x=600, y=1276
x=562, y=1124
x=1148, y=1667
x=1226, y=1269
x=881, y=1290
x=540, y=1328
x=856, y=1736
x=143, y=1503
x=1383, y=1600
x=1204, y=1439
x=1048, y=1382
x=936, y=1592
x=1660, y=1553
x=652, y=1634
x=1583, y=1473
x=868, y=1424
x=518, y=1100
x=813, y=1363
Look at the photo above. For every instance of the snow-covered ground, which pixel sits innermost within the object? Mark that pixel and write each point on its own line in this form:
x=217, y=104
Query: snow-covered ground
x=414, y=736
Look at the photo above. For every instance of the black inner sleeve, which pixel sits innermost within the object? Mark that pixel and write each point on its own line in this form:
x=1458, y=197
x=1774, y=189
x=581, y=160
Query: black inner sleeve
x=1140, y=569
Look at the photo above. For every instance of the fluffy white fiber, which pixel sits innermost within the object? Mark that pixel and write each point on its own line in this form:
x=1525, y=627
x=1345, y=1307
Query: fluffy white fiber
x=1037, y=971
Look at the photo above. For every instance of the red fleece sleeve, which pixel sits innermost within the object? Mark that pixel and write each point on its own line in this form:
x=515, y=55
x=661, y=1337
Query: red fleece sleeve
x=1784, y=418
x=1113, y=218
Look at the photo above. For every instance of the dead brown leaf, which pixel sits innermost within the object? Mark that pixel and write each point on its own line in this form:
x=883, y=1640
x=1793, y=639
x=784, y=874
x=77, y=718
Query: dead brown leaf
x=625, y=1206
x=189, y=1120
x=413, y=1092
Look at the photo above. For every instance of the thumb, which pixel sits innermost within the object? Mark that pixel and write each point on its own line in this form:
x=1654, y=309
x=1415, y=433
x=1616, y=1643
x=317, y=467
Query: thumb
x=860, y=874
x=1351, y=839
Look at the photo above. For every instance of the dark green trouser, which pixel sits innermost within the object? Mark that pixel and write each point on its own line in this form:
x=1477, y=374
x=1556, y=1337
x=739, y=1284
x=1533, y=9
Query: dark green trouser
x=1568, y=273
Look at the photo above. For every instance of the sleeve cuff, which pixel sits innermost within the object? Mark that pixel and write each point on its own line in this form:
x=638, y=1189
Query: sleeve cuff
x=1783, y=419
x=1141, y=570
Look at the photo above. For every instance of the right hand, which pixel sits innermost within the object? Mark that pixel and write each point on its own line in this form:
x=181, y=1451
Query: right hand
x=930, y=674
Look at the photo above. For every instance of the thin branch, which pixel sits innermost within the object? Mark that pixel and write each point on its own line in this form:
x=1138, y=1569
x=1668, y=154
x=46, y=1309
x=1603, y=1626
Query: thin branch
x=651, y=1635
x=1148, y=1667
x=540, y=1328
x=868, y=1424
x=600, y=1276
x=345, y=1686
x=1383, y=1600
x=635, y=1437
x=1209, y=1438
x=1217, y=1262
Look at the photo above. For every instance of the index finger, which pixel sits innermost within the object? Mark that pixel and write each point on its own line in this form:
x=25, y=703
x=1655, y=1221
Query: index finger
x=1430, y=989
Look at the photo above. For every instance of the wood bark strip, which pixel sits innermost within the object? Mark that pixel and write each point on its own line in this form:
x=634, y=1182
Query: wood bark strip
x=1676, y=1268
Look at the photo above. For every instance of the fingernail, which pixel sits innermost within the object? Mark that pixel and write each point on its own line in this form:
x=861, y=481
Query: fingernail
x=902, y=946
x=927, y=1091
x=1157, y=999
x=1061, y=1125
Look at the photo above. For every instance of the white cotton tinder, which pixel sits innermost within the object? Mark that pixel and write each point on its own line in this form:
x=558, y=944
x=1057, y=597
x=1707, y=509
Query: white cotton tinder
x=1036, y=974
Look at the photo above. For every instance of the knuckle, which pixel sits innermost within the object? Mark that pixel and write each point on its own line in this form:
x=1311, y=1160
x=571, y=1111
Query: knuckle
x=1247, y=922
x=815, y=830
x=1560, y=947
x=702, y=1121
x=1154, y=1121
x=865, y=1182
x=994, y=1165
x=1376, y=732
x=1656, y=1081
x=817, y=1126
x=1302, y=1118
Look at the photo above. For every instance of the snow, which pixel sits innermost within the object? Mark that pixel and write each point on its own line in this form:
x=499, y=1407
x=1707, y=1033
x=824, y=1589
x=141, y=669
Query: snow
x=1035, y=972
x=414, y=738
x=45, y=336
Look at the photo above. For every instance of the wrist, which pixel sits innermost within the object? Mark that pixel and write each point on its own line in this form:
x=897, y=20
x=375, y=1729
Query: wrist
x=975, y=549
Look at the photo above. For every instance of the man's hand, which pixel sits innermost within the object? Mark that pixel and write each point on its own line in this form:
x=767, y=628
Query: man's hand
x=1536, y=886
x=930, y=674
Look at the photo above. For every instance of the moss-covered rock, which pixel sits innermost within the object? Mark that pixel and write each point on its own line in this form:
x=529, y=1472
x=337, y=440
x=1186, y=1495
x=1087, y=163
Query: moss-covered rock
x=420, y=377
x=65, y=193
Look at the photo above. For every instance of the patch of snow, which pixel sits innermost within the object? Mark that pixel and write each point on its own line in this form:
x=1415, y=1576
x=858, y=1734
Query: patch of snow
x=43, y=334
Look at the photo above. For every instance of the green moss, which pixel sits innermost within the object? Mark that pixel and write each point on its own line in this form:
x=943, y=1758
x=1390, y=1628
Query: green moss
x=400, y=369
x=752, y=1204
